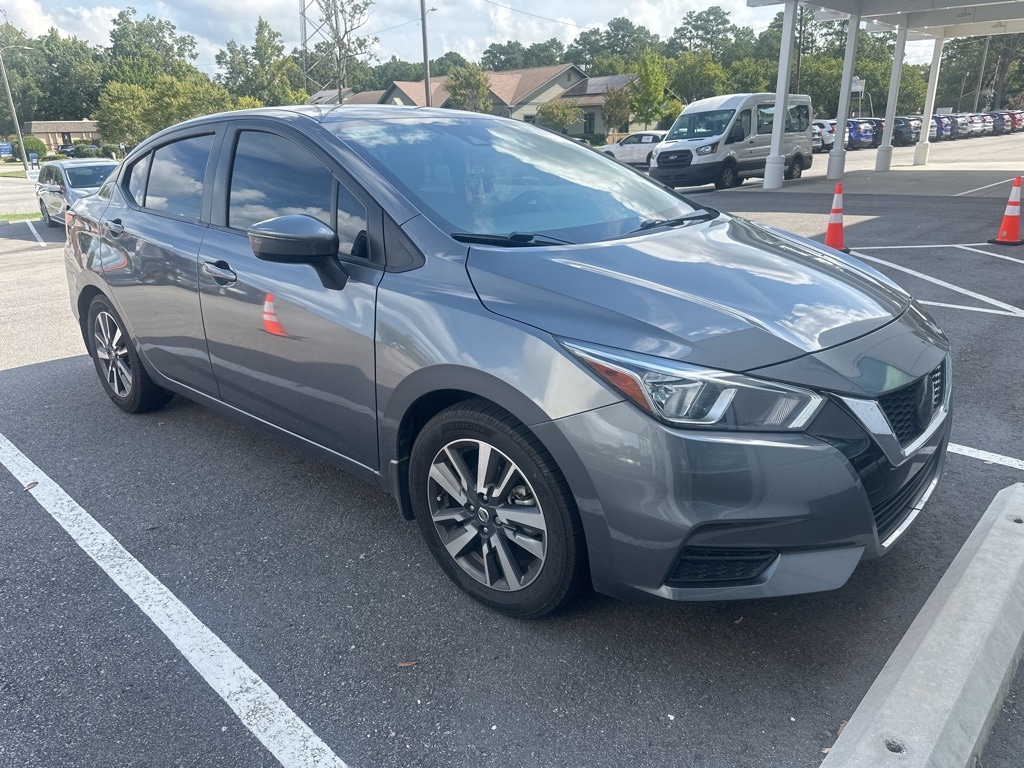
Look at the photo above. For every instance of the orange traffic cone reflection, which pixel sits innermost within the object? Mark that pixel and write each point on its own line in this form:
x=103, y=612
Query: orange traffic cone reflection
x=270, y=323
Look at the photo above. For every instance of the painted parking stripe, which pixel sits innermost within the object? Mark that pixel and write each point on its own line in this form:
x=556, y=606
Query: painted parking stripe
x=42, y=243
x=987, y=186
x=910, y=247
x=980, y=297
x=1002, y=256
x=966, y=308
x=261, y=710
x=993, y=458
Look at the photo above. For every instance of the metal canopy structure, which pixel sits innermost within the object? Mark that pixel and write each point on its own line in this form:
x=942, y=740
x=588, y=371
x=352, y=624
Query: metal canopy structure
x=939, y=20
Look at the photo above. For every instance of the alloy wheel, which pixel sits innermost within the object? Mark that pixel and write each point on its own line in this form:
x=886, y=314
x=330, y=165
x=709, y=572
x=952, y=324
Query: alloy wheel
x=111, y=346
x=486, y=514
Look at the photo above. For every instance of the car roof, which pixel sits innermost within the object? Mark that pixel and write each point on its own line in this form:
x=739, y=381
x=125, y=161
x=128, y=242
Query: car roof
x=80, y=161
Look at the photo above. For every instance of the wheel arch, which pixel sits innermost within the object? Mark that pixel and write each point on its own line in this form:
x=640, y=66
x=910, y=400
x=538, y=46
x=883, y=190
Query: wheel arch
x=85, y=299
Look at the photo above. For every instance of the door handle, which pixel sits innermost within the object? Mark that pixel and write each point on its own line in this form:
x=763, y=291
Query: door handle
x=114, y=227
x=219, y=271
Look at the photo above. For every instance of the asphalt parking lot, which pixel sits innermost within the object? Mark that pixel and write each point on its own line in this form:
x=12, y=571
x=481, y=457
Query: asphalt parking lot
x=313, y=580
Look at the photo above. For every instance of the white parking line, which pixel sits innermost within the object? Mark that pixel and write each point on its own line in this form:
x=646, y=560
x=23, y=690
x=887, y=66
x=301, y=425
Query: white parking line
x=1017, y=311
x=987, y=253
x=42, y=243
x=964, y=307
x=261, y=710
x=993, y=458
x=908, y=247
x=987, y=186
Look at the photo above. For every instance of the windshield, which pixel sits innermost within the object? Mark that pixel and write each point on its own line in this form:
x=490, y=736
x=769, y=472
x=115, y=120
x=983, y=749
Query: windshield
x=698, y=125
x=499, y=177
x=88, y=175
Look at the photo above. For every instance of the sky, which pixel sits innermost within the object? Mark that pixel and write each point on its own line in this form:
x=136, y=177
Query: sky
x=464, y=26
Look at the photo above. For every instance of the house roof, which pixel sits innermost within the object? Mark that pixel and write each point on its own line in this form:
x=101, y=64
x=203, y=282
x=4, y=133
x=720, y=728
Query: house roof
x=509, y=87
x=61, y=126
x=365, y=97
x=596, y=86
x=413, y=89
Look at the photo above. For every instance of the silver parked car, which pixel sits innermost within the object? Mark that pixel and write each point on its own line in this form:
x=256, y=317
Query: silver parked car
x=566, y=373
x=62, y=182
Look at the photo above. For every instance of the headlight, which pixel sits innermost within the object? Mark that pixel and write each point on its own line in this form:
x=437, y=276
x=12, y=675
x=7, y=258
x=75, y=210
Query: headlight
x=708, y=149
x=654, y=159
x=689, y=396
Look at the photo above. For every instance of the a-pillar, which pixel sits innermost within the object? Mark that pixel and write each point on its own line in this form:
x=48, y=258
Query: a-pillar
x=924, y=146
x=775, y=165
x=837, y=157
x=883, y=160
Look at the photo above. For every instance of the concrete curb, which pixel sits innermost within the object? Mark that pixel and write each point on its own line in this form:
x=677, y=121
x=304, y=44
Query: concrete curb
x=934, y=702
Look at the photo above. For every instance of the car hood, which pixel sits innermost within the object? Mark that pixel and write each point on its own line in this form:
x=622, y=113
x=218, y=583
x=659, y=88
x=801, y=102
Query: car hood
x=727, y=293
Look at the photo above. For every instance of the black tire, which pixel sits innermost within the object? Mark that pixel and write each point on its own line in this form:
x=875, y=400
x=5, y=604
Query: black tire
x=795, y=169
x=120, y=370
x=727, y=177
x=517, y=546
x=47, y=218
x=648, y=161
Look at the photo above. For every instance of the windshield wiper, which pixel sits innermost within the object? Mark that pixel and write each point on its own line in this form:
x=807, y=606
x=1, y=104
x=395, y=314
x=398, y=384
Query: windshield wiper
x=704, y=214
x=513, y=239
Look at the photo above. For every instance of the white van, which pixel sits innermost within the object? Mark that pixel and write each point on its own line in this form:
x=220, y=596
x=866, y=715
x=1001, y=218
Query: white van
x=725, y=139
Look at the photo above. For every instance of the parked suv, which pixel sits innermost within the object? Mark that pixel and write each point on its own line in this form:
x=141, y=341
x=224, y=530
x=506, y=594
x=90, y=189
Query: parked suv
x=636, y=148
x=62, y=182
x=905, y=131
x=566, y=373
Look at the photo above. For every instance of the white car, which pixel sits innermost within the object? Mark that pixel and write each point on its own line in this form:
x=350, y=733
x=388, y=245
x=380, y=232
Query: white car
x=636, y=148
x=828, y=133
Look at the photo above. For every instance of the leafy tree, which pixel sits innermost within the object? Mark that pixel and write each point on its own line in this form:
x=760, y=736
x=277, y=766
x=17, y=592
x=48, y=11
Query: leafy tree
x=32, y=144
x=395, y=69
x=559, y=114
x=708, y=30
x=246, y=102
x=670, y=112
x=262, y=72
x=443, y=65
x=695, y=75
x=21, y=71
x=623, y=38
x=503, y=56
x=585, y=48
x=648, y=91
x=545, y=54
x=469, y=89
x=120, y=117
x=69, y=71
x=141, y=51
x=175, y=99
x=607, y=63
x=617, y=108
x=750, y=76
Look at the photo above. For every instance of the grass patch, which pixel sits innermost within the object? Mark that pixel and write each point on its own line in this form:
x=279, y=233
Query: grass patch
x=18, y=174
x=19, y=216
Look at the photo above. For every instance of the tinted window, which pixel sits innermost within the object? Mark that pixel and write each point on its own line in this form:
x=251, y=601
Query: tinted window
x=89, y=175
x=176, y=179
x=137, y=175
x=690, y=125
x=351, y=225
x=798, y=118
x=273, y=176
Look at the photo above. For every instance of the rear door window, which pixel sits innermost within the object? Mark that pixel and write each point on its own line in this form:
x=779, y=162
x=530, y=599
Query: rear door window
x=176, y=179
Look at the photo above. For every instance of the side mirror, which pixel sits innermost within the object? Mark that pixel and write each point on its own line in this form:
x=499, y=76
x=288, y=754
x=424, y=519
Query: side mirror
x=300, y=239
x=736, y=134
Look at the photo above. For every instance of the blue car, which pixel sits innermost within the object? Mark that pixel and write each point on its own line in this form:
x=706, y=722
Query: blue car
x=861, y=134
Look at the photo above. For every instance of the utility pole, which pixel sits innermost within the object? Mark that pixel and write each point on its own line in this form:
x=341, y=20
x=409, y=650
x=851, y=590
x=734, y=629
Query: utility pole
x=426, y=56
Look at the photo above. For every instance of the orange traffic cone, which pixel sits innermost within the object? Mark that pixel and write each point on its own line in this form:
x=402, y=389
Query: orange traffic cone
x=270, y=323
x=1009, y=230
x=834, y=232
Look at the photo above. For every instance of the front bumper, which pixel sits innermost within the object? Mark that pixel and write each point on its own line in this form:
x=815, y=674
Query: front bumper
x=791, y=511
x=693, y=175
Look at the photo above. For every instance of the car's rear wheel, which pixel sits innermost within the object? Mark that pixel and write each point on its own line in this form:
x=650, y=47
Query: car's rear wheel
x=47, y=219
x=117, y=363
x=796, y=168
x=496, y=512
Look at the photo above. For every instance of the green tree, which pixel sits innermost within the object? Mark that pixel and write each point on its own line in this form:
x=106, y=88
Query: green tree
x=173, y=99
x=648, y=91
x=749, y=76
x=121, y=115
x=624, y=38
x=444, y=64
x=559, y=114
x=469, y=89
x=695, y=75
x=498, y=57
x=607, y=63
x=69, y=71
x=32, y=144
x=585, y=48
x=141, y=51
x=262, y=72
x=545, y=54
x=342, y=20
x=617, y=107
x=707, y=30
x=22, y=66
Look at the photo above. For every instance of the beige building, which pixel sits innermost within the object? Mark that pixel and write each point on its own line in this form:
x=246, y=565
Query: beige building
x=54, y=133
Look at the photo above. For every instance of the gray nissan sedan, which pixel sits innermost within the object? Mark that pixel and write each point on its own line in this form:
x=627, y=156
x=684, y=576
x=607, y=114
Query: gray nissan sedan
x=567, y=374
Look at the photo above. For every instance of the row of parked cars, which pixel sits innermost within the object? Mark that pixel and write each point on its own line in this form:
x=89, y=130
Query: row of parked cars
x=865, y=132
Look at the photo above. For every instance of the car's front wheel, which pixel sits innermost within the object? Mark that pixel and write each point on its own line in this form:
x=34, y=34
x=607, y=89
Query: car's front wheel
x=496, y=512
x=47, y=218
x=117, y=363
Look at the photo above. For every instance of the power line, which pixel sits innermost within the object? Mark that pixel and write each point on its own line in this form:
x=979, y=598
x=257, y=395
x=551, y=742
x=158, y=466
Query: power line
x=527, y=13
